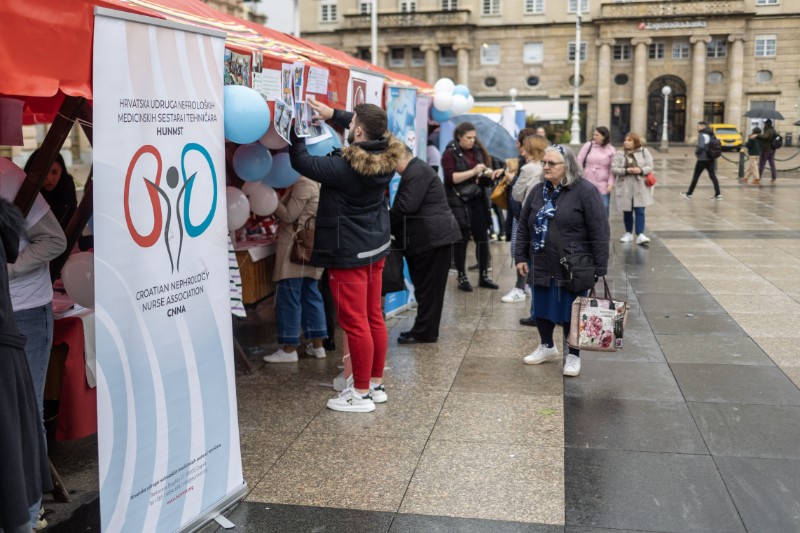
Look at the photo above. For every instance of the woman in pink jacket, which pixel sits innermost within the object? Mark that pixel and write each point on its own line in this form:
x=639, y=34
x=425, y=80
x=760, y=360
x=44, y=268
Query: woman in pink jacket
x=595, y=158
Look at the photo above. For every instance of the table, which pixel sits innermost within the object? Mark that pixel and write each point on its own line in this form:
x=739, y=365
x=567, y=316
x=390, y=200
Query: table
x=256, y=265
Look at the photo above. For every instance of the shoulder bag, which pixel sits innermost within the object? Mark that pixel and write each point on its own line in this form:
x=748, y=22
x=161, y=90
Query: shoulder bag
x=303, y=242
x=577, y=268
x=499, y=196
x=467, y=190
x=597, y=324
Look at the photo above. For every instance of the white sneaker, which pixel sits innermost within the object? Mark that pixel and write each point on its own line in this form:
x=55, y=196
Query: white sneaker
x=281, y=357
x=319, y=353
x=642, y=239
x=349, y=401
x=378, y=393
x=514, y=295
x=528, y=291
x=628, y=237
x=340, y=383
x=572, y=366
x=686, y=196
x=540, y=355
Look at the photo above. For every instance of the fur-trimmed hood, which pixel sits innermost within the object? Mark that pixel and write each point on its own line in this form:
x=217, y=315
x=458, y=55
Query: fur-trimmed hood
x=375, y=158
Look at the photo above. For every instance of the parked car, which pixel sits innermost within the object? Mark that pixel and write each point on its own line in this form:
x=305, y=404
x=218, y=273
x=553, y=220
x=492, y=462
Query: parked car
x=728, y=135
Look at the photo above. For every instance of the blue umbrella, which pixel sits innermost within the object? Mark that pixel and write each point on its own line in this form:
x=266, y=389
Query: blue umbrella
x=493, y=136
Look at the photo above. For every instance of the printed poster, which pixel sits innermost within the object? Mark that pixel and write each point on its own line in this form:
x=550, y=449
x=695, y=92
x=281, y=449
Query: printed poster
x=168, y=437
x=287, y=84
x=237, y=68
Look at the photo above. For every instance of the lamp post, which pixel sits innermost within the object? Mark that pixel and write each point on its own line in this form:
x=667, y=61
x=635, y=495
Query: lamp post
x=575, y=130
x=374, y=31
x=513, y=92
x=666, y=90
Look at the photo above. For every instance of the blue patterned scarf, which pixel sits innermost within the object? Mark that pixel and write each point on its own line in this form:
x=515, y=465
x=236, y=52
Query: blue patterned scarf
x=544, y=215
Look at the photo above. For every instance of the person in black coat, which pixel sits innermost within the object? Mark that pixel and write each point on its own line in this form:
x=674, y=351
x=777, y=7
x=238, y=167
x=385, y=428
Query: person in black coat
x=23, y=452
x=574, y=204
x=58, y=189
x=425, y=228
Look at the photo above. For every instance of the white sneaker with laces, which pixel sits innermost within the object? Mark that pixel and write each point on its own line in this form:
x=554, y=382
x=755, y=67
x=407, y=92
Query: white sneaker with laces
x=378, y=393
x=628, y=237
x=541, y=354
x=572, y=366
x=281, y=357
x=686, y=196
x=514, y=295
x=319, y=353
x=642, y=239
x=350, y=401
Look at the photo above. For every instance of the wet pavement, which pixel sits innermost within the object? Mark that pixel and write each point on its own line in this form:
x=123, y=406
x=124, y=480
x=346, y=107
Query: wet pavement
x=693, y=426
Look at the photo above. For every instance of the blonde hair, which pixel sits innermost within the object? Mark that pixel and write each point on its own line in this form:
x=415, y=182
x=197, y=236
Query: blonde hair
x=534, y=146
x=512, y=165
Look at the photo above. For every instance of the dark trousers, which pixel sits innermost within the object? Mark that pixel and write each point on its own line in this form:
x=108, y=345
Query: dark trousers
x=762, y=162
x=428, y=272
x=699, y=167
x=546, y=328
x=327, y=301
x=478, y=217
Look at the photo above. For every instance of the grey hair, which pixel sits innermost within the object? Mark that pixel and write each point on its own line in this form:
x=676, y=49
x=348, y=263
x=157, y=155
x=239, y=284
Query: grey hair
x=572, y=170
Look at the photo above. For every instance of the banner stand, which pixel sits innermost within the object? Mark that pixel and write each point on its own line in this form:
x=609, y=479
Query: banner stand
x=215, y=510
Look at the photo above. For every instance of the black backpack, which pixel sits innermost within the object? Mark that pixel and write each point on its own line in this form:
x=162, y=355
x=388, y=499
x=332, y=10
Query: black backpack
x=777, y=141
x=713, y=147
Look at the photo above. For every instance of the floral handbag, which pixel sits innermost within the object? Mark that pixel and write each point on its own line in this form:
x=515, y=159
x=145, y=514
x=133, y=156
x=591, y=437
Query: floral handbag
x=597, y=323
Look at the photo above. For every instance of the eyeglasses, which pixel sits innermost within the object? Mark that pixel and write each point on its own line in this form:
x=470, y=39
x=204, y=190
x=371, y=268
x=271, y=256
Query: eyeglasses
x=551, y=163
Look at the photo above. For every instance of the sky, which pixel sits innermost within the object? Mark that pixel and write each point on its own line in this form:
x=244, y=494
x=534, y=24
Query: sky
x=279, y=13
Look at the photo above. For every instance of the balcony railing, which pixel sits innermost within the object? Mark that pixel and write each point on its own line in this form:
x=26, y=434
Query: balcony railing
x=674, y=8
x=409, y=20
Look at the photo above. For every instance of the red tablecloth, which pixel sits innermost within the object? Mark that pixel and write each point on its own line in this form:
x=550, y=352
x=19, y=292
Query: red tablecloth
x=77, y=414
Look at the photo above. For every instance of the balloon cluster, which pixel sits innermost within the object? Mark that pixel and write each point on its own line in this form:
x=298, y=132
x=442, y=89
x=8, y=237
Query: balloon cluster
x=450, y=100
x=248, y=123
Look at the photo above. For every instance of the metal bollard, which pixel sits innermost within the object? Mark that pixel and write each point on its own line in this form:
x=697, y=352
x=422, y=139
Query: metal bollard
x=741, y=165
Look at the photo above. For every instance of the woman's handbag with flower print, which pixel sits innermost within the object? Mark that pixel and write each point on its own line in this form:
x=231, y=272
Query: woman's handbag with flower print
x=597, y=323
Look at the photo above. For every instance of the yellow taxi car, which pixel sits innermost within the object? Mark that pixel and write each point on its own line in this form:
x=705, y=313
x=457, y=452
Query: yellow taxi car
x=728, y=135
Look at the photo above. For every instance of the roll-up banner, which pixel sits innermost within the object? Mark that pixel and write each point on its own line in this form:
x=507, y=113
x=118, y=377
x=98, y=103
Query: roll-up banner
x=168, y=436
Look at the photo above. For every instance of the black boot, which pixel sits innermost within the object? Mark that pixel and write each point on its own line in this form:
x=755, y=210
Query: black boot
x=463, y=283
x=486, y=282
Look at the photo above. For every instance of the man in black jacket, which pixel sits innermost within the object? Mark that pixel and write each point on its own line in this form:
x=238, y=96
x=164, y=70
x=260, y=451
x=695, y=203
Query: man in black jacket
x=704, y=162
x=425, y=228
x=352, y=239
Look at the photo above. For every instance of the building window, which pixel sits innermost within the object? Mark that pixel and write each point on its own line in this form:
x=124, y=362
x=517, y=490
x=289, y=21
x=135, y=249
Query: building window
x=447, y=56
x=621, y=52
x=490, y=7
x=715, y=78
x=408, y=6
x=680, y=50
x=327, y=12
x=490, y=54
x=766, y=2
x=534, y=7
x=449, y=5
x=571, y=51
x=397, y=57
x=656, y=51
x=417, y=57
x=766, y=45
x=717, y=49
x=532, y=81
x=533, y=53
x=621, y=79
x=572, y=7
x=365, y=54
x=490, y=82
x=365, y=8
x=763, y=76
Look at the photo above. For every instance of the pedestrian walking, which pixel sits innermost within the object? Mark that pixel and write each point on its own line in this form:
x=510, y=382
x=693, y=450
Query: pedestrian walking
x=705, y=161
x=767, y=151
x=596, y=158
x=631, y=193
x=753, y=147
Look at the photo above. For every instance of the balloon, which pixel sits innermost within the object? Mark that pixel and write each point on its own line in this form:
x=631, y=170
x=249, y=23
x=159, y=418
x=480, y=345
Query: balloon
x=282, y=174
x=272, y=140
x=238, y=208
x=460, y=104
x=246, y=114
x=443, y=101
x=325, y=147
x=263, y=198
x=443, y=85
x=252, y=162
x=461, y=89
x=78, y=277
x=440, y=116
x=471, y=102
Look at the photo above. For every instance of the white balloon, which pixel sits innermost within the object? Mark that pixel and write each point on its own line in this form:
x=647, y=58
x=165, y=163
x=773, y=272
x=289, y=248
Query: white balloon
x=460, y=104
x=471, y=102
x=272, y=140
x=238, y=208
x=78, y=278
x=443, y=101
x=263, y=198
x=444, y=85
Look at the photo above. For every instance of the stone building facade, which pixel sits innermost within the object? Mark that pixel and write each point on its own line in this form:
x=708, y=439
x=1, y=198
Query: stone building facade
x=720, y=58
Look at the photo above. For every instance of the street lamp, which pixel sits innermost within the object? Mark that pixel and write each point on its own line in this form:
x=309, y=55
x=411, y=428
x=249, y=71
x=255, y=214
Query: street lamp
x=575, y=130
x=666, y=90
x=374, y=31
x=513, y=92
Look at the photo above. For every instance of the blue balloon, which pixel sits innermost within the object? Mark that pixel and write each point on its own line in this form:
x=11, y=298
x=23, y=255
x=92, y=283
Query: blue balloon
x=247, y=115
x=440, y=116
x=462, y=90
x=282, y=174
x=326, y=146
x=252, y=162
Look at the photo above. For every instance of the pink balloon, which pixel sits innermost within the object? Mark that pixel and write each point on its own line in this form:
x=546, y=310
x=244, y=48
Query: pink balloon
x=238, y=208
x=272, y=140
x=263, y=198
x=78, y=278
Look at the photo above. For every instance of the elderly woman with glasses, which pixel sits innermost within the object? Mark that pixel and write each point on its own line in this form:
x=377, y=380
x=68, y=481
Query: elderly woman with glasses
x=565, y=202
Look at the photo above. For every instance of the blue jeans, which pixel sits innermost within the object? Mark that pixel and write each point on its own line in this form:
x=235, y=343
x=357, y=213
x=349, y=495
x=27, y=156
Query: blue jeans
x=37, y=325
x=606, y=201
x=298, y=300
x=627, y=218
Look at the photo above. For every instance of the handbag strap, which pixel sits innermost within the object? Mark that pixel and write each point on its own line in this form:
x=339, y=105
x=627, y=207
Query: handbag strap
x=591, y=144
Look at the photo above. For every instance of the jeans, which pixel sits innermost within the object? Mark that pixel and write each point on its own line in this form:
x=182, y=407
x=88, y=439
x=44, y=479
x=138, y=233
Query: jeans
x=606, y=201
x=297, y=300
x=627, y=219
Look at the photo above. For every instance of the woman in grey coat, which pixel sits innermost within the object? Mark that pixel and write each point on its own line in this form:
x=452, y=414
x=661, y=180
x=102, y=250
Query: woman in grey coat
x=631, y=194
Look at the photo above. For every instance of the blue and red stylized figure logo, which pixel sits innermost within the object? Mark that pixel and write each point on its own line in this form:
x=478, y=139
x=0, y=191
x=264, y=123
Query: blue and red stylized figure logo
x=154, y=190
